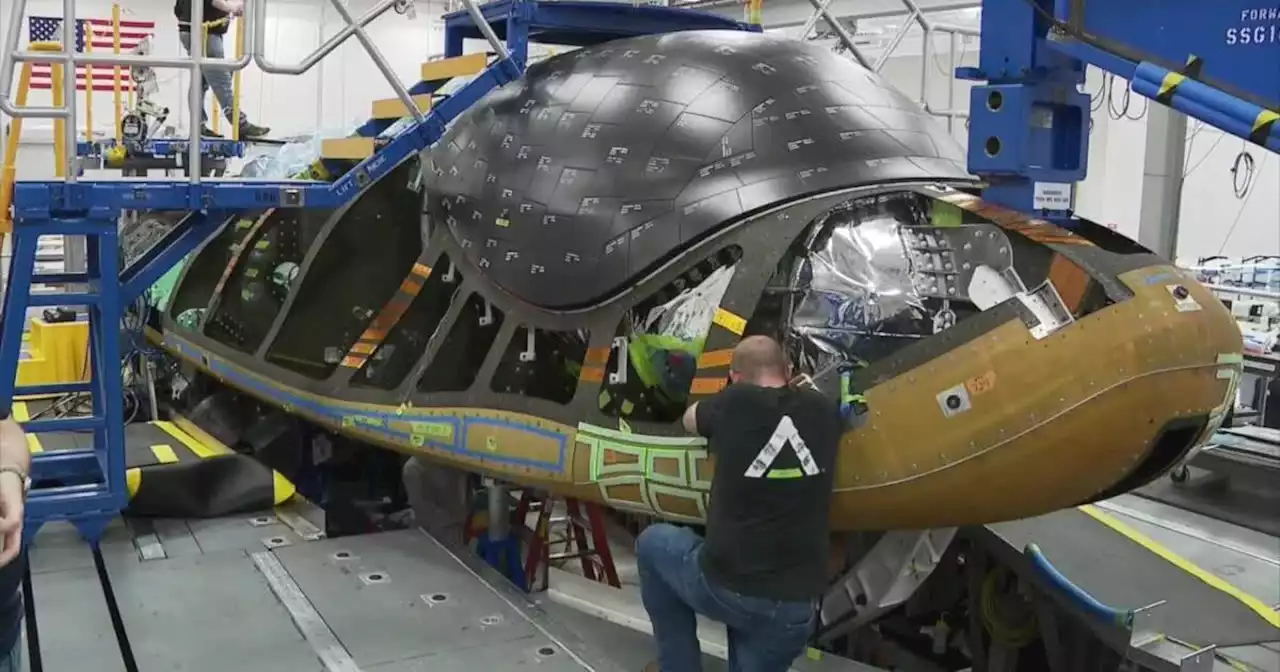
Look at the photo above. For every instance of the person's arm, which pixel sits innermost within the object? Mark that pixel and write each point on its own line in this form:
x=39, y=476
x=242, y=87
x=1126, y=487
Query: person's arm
x=704, y=416
x=15, y=465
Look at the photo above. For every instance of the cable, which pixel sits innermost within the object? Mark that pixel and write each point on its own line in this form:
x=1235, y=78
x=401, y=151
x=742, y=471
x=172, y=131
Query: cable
x=1243, y=165
x=1127, y=98
x=1244, y=203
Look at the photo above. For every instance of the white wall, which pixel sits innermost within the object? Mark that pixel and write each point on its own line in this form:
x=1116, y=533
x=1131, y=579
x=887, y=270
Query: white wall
x=1214, y=221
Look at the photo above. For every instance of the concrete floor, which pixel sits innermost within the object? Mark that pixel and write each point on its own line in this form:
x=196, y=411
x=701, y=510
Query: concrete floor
x=253, y=593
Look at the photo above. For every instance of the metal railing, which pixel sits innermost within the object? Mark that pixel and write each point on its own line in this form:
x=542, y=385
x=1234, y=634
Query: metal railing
x=929, y=27
x=196, y=64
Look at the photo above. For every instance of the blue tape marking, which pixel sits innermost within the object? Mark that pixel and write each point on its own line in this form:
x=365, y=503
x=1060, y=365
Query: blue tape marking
x=334, y=413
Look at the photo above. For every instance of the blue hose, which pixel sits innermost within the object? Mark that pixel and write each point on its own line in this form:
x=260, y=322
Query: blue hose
x=1077, y=595
x=1206, y=103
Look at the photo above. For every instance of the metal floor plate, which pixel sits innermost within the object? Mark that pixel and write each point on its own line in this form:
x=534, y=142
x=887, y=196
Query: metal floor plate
x=1095, y=558
x=251, y=593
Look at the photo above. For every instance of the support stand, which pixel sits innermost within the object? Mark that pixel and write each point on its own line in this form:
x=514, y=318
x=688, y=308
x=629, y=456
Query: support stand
x=85, y=486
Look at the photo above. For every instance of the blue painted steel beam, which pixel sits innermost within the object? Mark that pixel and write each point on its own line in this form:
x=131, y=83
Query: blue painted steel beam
x=1029, y=123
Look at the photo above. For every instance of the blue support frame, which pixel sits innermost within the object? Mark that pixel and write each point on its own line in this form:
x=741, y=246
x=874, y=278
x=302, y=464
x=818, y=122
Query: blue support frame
x=1029, y=123
x=91, y=486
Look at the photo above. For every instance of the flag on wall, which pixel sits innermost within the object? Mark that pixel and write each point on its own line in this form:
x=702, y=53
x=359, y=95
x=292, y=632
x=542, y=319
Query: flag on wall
x=98, y=34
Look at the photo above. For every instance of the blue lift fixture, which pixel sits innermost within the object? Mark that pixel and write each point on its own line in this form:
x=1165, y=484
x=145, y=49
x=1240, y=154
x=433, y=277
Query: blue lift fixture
x=88, y=487
x=1218, y=62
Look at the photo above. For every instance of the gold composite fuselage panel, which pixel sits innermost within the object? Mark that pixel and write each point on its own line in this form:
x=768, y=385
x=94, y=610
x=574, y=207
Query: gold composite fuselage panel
x=1048, y=423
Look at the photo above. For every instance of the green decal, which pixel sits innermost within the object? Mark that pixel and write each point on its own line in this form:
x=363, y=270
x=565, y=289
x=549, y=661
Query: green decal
x=436, y=430
x=785, y=473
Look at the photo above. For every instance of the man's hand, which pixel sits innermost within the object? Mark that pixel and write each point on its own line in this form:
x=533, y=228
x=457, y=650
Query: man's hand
x=11, y=509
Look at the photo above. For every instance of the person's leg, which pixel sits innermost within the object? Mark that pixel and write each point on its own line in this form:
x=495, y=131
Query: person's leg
x=220, y=81
x=773, y=641
x=662, y=554
x=185, y=39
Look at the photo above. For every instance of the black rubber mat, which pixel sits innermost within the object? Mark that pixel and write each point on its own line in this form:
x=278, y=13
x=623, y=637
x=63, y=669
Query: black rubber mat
x=1125, y=575
x=173, y=475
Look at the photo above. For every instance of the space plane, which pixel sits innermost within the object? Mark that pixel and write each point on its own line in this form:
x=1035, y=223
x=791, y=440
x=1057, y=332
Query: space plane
x=540, y=295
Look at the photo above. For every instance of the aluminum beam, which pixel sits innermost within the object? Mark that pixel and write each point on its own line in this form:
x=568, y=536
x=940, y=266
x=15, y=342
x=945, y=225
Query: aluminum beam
x=787, y=13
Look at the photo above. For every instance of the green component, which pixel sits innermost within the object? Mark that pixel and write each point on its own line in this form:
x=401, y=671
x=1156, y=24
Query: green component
x=945, y=214
x=189, y=319
x=785, y=473
x=162, y=291
x=284, y=275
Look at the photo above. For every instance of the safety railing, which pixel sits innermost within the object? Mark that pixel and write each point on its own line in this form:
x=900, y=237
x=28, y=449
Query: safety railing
x=70, y=59
x=196, y=64
x=929, y=28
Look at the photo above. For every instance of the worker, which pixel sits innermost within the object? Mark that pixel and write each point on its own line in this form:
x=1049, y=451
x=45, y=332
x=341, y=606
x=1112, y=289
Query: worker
x=762, y=565
x=15, y=461
x=217, y=14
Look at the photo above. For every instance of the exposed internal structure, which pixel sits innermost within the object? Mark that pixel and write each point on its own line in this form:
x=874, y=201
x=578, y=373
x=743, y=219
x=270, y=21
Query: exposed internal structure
x=596, y=237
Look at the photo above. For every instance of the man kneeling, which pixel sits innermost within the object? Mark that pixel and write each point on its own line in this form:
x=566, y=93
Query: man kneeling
x=763, y=563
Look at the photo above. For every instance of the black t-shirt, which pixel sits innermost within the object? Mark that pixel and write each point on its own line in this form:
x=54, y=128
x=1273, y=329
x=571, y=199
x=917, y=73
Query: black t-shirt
x=767, y=528
x=11, y=603
x=182, y=10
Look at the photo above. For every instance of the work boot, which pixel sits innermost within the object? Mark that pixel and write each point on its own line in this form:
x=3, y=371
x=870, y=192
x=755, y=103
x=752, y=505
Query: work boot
x=249, y=131
x=206, y=132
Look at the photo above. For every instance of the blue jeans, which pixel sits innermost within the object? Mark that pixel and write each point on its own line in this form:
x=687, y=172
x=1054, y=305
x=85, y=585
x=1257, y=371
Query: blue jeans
x=12, y=662
x=764, y=635
x=219, y=80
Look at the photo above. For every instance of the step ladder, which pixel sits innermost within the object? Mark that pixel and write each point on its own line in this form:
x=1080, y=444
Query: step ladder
x=577, y=534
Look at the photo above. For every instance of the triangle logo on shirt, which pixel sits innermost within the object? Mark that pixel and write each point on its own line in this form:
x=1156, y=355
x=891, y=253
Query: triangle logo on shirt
x=785, y=434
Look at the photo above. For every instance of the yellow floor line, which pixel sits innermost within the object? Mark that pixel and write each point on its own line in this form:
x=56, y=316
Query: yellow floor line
x=1266, y=613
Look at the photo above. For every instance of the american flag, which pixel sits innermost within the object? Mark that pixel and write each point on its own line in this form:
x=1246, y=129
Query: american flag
x=98, y=33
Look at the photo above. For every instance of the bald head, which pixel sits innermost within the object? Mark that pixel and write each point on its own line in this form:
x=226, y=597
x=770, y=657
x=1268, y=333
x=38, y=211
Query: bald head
x=759, y=360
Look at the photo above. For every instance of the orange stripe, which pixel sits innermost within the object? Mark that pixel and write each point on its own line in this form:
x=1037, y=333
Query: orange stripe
x=715, y=358
x=592, y=374
x=707, y=385
x=1070, y=280
x=363, y=348
x=599, y=356
x=421, y=270
x=411, y=287
x=352, y=362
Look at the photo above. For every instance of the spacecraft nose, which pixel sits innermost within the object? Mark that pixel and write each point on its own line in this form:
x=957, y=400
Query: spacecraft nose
x=1008, y=368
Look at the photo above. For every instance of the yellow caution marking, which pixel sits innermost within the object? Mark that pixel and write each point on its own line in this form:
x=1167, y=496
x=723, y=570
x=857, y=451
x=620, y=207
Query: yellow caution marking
x=133, y=480
x=20, y=411
x=1266, y=613
x=204, y=447
x=458, y=66
x=1170, y=82
x=164, y=453
x=730, y=321
x=282, y=489
x=33, y=444
x=1264, y=118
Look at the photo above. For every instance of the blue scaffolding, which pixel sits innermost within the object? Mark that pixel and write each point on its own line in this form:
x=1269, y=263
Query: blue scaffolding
x=88, y=487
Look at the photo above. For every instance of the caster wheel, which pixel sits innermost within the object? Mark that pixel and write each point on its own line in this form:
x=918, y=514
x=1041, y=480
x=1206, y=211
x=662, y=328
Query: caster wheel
x=1180, y=475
